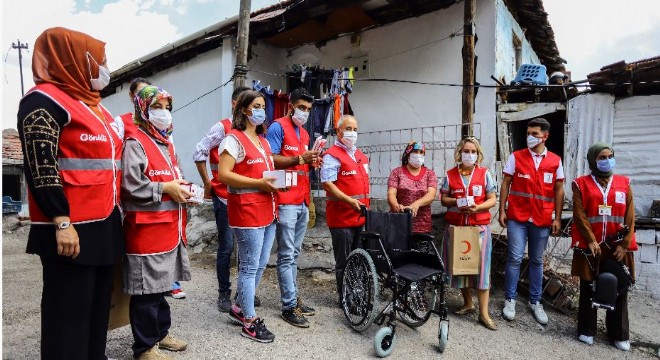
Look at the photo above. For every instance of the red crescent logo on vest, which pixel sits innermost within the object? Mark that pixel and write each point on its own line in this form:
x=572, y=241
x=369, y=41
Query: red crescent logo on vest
x=469, y=247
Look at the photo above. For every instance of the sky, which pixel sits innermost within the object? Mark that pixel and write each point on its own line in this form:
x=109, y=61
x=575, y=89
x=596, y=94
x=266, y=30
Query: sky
x=589, y=33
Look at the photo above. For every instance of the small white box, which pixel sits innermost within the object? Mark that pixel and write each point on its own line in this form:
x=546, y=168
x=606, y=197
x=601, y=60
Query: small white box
x=279, y=176
x=465, y=202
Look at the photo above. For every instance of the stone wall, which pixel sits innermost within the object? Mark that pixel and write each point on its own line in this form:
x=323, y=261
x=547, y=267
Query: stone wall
x=647, y=261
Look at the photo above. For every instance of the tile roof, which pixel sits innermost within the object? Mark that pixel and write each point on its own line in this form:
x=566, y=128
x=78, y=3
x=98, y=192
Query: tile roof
x=12, y=153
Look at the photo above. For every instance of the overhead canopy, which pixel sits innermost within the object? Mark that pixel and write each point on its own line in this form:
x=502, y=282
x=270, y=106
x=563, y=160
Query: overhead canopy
x=292, y=23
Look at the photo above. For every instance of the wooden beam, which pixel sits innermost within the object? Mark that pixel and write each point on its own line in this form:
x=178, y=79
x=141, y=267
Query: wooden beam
x=469, y=13
x=240, y=70
x=524, y=111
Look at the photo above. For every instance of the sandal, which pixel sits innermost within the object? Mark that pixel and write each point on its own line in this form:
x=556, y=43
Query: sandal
x=488, y=323
x=465, y=310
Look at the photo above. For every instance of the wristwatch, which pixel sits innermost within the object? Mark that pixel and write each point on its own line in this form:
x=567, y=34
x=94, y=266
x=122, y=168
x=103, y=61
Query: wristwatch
x=301, y=161
x=63, y=225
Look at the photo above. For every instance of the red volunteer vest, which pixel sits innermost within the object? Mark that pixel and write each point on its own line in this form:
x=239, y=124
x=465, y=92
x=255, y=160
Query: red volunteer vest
x=352, y=180
x=219, y=189
x=532, y=192
x=476, y=188
x=592, y=197
x=89, y=159
x=251, y=208
x=129, y=126
x=291, y=146
x=156, y=228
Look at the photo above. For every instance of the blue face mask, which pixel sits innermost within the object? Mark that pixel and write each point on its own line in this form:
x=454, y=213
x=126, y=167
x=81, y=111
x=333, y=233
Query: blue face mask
x=606, y=165
x=258, y=117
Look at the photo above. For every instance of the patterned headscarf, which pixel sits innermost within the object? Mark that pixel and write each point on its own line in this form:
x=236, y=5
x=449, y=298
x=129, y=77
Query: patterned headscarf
x=413, y=145
x=143, y=101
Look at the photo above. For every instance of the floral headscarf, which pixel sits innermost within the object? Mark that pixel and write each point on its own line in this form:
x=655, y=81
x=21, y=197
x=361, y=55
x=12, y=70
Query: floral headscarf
x=143, y=101
x=412, y=146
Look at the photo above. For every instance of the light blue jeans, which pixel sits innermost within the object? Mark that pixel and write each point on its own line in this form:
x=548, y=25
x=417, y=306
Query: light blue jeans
x=519, y=233
x=290, y=234
x=253, y=249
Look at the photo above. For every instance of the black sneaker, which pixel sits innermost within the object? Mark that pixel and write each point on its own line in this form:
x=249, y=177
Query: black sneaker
x=257, y=331
x=236, y=316
x=295, y=318
x=304, y=309
x=224, y=301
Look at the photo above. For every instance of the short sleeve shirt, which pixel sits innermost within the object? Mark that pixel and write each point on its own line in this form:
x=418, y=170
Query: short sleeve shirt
x=410, y=188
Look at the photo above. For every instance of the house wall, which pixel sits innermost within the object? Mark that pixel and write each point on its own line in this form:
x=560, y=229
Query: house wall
x=505, y=54
x=416, y=49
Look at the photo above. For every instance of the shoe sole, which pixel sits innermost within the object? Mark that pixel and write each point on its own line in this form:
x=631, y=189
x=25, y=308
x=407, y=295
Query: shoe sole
x=234, y=320
x=304, y=326
x=178, y=297
x=172, y=349
x=264, y=341
x=312, y=313
x=507, y=318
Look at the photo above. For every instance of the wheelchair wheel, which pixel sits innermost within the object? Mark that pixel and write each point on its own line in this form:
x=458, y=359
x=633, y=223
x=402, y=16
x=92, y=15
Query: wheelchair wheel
x=360, y=290
x=443, y=335
x=421, y=300
x=384, y=342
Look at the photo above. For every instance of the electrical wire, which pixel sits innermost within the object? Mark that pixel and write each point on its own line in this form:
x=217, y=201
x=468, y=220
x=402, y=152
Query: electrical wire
x=203, y=95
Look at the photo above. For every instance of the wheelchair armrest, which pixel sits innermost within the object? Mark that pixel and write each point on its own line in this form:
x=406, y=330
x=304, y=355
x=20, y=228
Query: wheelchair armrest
x=370, y=234
x=421, y=237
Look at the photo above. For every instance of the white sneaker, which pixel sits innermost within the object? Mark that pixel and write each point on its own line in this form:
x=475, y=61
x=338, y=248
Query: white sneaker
x=178, y=294
x=509, y=311
x=589, y=340
x=622, y=345
x=539, y=313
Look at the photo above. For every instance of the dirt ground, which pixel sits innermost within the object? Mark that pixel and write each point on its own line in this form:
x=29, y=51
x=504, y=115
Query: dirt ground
x=211, y=336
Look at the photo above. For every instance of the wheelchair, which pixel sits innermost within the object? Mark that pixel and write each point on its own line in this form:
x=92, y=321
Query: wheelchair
x=388, y=256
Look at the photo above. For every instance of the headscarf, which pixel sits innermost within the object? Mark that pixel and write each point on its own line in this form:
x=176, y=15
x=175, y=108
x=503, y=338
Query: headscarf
x=61, y=58
x=413, y=145
x=143, y=101
x=592, y=154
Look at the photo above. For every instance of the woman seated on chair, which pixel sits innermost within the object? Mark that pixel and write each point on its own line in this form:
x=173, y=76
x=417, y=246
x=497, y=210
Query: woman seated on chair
x=413, y=186
x=589, y=212
x=473, y=183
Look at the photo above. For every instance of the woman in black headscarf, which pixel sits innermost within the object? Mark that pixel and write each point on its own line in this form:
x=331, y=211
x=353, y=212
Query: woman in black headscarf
x=602, y=206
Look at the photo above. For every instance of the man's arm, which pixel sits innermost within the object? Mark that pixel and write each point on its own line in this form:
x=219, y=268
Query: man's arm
x=504, y=195
x=334, y=191
x=559, y=206
x=212, y=139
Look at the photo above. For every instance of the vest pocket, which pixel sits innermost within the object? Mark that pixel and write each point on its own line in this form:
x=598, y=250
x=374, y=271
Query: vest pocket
x=149, y=217
x=86, y=177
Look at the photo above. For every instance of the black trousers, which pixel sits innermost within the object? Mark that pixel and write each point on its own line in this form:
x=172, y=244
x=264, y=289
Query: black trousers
x=343, y=242
x=616, y=321
x=75, y=308
x=150, y=320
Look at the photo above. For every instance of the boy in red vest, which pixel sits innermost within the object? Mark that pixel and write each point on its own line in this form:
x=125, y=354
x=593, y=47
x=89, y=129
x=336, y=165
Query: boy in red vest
x=207, y=148
x=289, y=142
x=533, y=184
x=345, y=178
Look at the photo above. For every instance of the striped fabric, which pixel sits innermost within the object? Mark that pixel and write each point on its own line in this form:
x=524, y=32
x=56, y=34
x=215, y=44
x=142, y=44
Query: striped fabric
x=481, y=281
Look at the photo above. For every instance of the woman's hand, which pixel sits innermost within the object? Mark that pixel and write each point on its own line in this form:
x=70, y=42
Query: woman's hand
x=175, y=191
x=619, y=253
x=414, y=208
x=595, y=248
x=471, y=209
x=266, y=185
x=399, y=208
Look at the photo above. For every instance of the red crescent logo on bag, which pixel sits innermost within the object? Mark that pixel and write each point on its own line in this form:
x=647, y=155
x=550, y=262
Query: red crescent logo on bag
x=469, y=247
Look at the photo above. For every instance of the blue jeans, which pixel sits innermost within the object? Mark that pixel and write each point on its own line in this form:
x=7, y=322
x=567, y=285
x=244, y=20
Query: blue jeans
x=253, y=249
x=225, y=245
x=518, y=234
x=290, y=234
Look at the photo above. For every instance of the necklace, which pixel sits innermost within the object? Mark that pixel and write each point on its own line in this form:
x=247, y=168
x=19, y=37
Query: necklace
x=464, y=172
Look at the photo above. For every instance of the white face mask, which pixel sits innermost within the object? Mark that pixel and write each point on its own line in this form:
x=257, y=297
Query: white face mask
x=468, y=159
x=300, y=117
x=416, y=160
x=103, y=80
x=532, y=141
x=350, y=138
x=161, y=119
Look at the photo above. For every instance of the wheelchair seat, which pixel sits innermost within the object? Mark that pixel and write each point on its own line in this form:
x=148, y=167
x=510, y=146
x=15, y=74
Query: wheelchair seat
x=416, y=266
